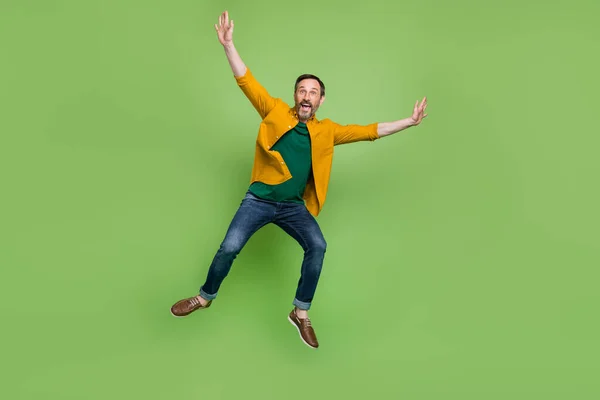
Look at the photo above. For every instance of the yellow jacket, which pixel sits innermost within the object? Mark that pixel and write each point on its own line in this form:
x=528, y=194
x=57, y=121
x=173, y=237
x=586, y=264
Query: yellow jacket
x=277, y=119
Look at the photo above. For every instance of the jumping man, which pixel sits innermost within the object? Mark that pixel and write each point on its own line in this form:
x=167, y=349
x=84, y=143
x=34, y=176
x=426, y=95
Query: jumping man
x=288, y=186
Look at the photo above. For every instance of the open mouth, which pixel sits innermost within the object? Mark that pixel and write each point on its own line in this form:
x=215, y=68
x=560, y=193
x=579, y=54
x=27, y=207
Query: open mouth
x=305, y=107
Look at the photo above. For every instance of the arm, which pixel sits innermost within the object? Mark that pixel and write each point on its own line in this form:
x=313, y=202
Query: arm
x=225, y=34
x=343, y=134
x=258, y=95
x=354, y=133
x=388, y=128
x=235, y=61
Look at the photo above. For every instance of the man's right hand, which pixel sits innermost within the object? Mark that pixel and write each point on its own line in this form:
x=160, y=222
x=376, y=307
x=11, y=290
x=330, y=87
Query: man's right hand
x=225, y=29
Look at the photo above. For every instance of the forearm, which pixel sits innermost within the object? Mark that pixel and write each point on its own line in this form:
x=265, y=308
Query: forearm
x=388, y=128
x=235, y=61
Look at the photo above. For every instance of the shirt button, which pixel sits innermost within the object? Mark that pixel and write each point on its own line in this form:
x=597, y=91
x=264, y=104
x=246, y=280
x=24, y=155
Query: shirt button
x=289, y=126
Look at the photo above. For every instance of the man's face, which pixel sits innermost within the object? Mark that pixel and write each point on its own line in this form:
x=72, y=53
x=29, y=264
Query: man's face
x=308, y=98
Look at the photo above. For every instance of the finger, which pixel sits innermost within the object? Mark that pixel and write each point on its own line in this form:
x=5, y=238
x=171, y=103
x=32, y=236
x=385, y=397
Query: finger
x=231, y=25
x=226, y=18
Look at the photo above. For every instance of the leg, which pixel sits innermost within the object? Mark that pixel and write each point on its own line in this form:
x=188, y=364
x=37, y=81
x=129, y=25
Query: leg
x=302, y=226
x=250, y=217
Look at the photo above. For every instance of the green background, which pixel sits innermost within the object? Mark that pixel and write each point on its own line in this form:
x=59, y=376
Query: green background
x=463, y=254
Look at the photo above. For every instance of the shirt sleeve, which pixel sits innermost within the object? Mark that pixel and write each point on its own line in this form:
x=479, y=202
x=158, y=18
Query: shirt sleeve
x=343, y=134
x=256, y=93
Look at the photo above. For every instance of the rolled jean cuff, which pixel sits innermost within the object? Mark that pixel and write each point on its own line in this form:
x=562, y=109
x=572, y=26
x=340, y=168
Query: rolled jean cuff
x=301, y=305
x=207, y=296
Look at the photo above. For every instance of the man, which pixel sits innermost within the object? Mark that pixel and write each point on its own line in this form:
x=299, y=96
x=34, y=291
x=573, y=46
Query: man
x=292, y=164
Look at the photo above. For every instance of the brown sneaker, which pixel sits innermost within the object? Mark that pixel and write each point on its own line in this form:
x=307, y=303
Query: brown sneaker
x=307, y=333
x=188, y=306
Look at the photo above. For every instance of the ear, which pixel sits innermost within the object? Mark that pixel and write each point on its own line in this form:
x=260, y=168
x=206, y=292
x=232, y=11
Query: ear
x=321, y=101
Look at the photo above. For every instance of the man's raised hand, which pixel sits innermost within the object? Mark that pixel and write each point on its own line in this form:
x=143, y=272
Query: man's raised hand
x=419, y=111
x=225, y=29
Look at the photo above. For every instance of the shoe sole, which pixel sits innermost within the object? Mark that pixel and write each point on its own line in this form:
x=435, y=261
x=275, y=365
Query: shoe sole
x=298, y=329
x=183, y=316
x=178, y=316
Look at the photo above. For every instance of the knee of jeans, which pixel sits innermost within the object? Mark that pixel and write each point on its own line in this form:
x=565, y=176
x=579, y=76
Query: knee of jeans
x=231, y=247
x=318, y=245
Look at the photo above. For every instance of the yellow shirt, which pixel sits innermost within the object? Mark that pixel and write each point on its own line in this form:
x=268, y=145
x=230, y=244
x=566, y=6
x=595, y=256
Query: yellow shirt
x=277, y=119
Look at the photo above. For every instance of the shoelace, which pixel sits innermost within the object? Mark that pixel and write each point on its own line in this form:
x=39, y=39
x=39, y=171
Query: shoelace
x=194, y=301
x=307, y=323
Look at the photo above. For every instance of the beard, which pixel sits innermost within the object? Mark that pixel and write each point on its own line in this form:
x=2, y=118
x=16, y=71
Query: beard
x=305, y=113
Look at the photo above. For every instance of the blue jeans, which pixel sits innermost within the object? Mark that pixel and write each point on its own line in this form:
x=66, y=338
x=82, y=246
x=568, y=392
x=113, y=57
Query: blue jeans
x=293, y=218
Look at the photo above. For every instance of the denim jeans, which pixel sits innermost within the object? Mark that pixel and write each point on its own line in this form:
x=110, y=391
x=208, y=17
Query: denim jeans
x=293, y=218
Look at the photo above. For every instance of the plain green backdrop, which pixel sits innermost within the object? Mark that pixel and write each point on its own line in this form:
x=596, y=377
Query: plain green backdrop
x=463, y=254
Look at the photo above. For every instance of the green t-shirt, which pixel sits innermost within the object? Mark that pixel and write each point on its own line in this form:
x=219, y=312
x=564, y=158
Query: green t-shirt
x=294, y=147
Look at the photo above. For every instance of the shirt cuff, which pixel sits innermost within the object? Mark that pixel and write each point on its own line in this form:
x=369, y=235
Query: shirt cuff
x=244, y=79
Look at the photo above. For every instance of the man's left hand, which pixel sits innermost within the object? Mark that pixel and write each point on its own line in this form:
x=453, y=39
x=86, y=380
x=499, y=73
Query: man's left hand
x=419, y=112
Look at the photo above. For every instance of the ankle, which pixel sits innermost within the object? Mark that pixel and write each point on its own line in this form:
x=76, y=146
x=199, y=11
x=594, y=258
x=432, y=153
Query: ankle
x=203, y=301
x=302, y=314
